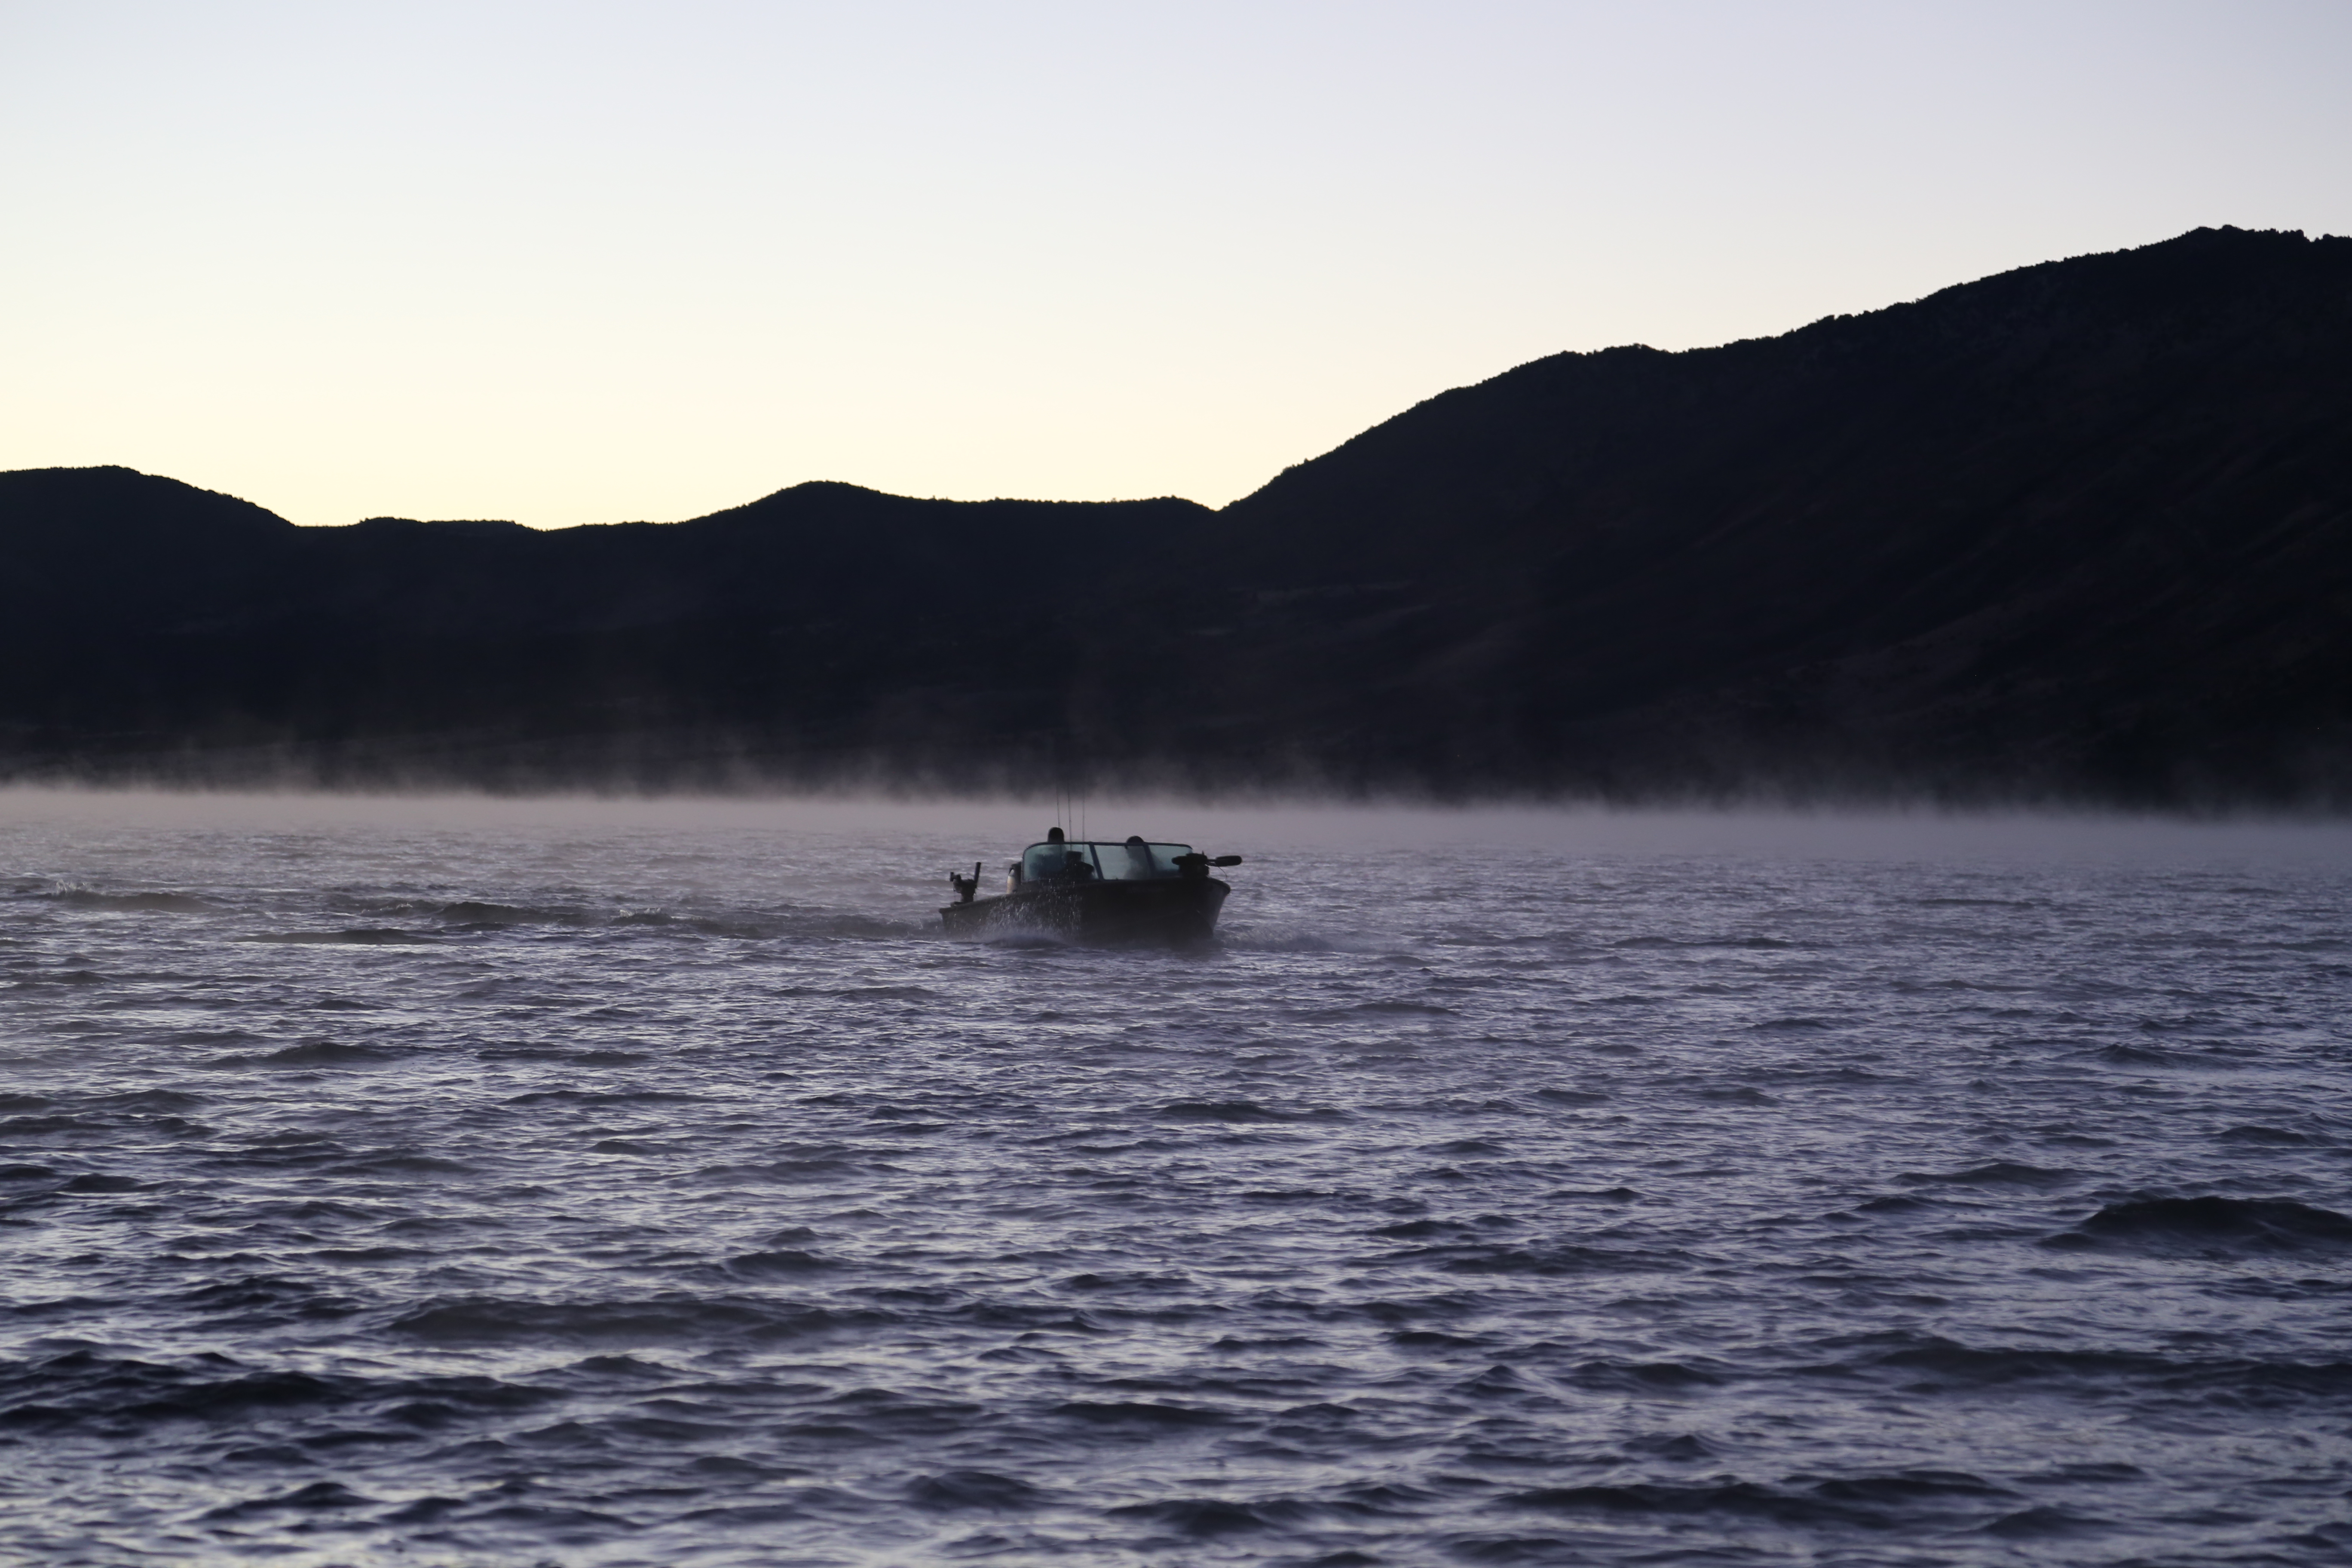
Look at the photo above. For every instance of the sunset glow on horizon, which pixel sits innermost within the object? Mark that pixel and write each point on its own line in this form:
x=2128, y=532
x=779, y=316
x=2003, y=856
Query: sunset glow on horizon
x=591, y=262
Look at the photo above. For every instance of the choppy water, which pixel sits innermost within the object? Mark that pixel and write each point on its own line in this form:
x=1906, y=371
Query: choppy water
x=423, y=1183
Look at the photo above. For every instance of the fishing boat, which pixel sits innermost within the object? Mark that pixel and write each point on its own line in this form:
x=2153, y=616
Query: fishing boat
x=1129, y=893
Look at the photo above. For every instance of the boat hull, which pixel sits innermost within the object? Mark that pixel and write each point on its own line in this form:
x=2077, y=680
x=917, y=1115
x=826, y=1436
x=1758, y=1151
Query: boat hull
x=1162, y=912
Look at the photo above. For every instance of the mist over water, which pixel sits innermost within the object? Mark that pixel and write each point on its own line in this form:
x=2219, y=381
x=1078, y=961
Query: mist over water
x=422, y=1180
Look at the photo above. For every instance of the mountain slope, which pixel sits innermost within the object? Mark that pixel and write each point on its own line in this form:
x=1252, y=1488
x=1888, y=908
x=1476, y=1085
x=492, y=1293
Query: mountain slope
x=2079, y=526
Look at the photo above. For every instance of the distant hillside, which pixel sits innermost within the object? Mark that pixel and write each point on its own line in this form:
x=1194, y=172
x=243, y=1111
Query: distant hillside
x=2082, y=528
x=167, y=632
x=2080, y=531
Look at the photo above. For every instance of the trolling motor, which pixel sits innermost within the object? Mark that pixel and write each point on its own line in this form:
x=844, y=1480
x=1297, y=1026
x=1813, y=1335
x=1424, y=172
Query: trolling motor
x=965, y=887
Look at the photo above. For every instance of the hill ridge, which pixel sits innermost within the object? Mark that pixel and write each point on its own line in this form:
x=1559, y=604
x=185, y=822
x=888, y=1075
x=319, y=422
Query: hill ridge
x=2077, y=531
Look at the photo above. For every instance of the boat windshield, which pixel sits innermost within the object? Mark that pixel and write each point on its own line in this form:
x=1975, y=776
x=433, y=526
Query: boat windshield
x=1133, y=861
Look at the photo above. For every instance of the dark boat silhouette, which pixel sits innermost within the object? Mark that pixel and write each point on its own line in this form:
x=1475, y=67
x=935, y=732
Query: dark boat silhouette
x=1131, y=893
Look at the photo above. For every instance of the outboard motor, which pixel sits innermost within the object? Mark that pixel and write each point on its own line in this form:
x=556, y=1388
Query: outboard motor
x=965, y=887
x=1197, y=864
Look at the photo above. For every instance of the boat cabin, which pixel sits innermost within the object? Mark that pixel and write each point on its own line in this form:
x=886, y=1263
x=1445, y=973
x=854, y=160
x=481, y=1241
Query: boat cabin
x=1055, y=863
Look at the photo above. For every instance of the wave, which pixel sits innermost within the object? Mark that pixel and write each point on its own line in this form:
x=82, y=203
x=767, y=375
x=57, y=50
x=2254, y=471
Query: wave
x=786, y=1172
x=1929, y=1364
x=1561, y=1260
x=1738, y=1499
x=782, y=1263
x=1650, y=1378
x=310, y=1054
x=158, y=1100
x=358, y=936
x=1140, y=1413
x=1254, y=937
x=2000, y=1174
x=973, y=1490
x=668, y=1319
x=1204, y=1518
x=98, y=1181
x=258, y=1298
x=475, y=914
x=58, y=977
x=2047, y=1522
x=594, y=1097
x=1239, y=1110
x=89, y=1390
x=314, y=1498
x=2213, y=1226
x=1876, y=1501
x=136, y=903
x=2278, y=1137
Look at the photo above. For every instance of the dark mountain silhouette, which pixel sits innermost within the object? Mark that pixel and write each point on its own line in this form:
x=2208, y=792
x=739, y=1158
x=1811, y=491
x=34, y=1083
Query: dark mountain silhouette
x=160, y=630
x=2081, y=530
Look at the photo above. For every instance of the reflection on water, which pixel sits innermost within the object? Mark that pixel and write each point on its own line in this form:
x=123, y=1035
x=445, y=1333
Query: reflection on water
x=595, y=1183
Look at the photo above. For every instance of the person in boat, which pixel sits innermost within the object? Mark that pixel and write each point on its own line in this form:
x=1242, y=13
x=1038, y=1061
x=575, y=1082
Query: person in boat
x=1066, y=866
x=1043, y=868
x=1139, y=859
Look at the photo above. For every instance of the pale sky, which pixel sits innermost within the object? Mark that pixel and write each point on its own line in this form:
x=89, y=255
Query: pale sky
x=590, y=262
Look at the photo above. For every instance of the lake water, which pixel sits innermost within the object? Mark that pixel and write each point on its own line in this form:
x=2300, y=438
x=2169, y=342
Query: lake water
x=435, y=1182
